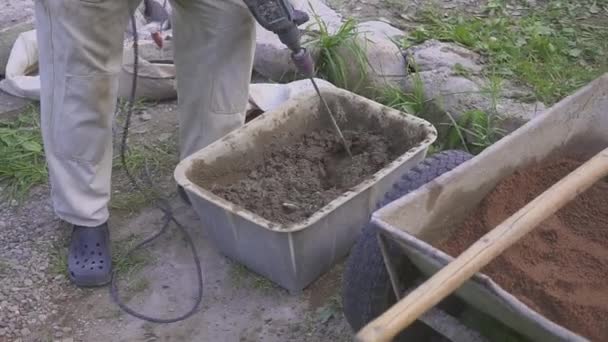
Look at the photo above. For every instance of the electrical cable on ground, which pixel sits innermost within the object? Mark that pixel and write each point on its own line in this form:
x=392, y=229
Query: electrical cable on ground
x=161, y=202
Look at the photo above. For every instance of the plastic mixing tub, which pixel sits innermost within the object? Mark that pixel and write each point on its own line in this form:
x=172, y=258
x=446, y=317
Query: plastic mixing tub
x=576, y=125
x=295, y=255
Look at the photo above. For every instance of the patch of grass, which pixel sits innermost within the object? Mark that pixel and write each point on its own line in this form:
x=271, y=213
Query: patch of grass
x=59, y=261
x=554, y=50
x=412, y=103
x=242, y=277
x=142, y=161
x=332, y=309
x=476, y=130
x=341, y=55
x=5, y=267
x=127, y=265
x=22, y=163
x=138, y=285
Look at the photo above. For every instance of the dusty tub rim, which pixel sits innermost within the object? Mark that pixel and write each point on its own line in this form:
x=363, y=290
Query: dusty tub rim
x=181, y=171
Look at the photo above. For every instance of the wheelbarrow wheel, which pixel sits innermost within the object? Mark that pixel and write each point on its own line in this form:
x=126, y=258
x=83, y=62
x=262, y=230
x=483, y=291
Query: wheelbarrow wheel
x=366, y=288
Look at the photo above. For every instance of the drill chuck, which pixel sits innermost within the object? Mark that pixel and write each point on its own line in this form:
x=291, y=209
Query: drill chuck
x=303, y=62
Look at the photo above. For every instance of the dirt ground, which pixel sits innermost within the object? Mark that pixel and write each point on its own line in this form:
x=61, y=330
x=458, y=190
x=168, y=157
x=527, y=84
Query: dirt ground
x=14, y=11
x=237, y=304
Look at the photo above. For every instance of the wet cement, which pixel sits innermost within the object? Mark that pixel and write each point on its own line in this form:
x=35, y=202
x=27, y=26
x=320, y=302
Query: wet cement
x=560, y=269
x=294, y=180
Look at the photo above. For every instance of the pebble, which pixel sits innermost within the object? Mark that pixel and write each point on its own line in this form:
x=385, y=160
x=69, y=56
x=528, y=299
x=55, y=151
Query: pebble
x=145, y=117
x=58, y=334
x=25, y=332
x=28, y=282
x=69, y=339
x=2, y=331
x=67, y=330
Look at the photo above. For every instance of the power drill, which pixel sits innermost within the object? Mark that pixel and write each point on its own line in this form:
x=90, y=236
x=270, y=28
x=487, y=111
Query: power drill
x=279, y=17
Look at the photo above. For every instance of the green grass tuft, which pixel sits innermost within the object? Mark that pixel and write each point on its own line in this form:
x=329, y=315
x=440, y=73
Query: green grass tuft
x=412, y=103
x=340, y=55
x=22, y=163
x=242, y=277
x=127, y=265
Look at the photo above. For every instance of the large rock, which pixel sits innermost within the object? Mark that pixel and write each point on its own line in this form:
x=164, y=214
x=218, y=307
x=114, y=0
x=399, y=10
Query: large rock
x=452, y=81
x=387, y=66
x=434, y=55
x=272, y=58
x=8, y=35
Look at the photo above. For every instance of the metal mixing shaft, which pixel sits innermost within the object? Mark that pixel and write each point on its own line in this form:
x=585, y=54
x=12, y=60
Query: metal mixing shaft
x=305, y=65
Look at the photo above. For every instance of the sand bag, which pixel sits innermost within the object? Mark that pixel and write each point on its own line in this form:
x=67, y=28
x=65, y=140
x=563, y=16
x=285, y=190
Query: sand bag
x=155, y=81
x=21, y=79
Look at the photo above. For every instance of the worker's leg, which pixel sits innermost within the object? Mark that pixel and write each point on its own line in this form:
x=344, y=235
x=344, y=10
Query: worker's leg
x=80, y=46
x=214, y=45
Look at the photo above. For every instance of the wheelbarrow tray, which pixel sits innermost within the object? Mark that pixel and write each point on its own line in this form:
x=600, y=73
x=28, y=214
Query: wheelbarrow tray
x=294, y=255
x=577, y=125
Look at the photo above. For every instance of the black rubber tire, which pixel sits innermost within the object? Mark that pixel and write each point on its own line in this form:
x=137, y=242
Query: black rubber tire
x=366, y=288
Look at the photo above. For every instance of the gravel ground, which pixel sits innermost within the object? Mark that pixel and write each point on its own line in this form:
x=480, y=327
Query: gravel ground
x=29, y=289
x=14, y=11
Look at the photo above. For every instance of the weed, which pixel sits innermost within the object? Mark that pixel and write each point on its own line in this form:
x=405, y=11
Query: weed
x=22, y=163
x=461, y=70
x=5, y=267
x=474, y=131
x=340, y=54
x=332, y=309
x=138, y=285
x=412, y=103
x=242, y=277
x=59, y=261
x=146, y=163
x=552, y=50
x=125, y=264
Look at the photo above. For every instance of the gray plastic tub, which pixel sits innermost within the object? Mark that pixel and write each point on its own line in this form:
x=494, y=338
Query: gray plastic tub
x=294, y=256
x=576, y=125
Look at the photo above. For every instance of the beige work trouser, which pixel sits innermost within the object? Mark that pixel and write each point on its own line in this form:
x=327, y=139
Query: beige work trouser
x=80, y=44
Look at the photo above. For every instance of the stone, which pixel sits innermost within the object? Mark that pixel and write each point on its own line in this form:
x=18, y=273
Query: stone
x=25, y=332
x=453, y=84
x=69, y=339
x=145, y=116
x=433, y=55
x=28, y=282
x=387, y=66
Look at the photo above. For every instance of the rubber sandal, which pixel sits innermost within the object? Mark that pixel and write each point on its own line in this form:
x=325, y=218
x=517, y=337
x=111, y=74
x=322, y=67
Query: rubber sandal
x=89, y=258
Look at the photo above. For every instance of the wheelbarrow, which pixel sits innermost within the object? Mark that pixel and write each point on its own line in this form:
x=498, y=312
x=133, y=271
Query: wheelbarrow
x=401, y=233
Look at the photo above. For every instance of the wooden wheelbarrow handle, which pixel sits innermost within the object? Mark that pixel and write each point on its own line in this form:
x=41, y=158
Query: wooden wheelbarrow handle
x=453, y=275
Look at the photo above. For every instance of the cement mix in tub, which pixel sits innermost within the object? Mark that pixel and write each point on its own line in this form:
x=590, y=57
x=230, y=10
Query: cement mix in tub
x=296, y=178
x=561, y=268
